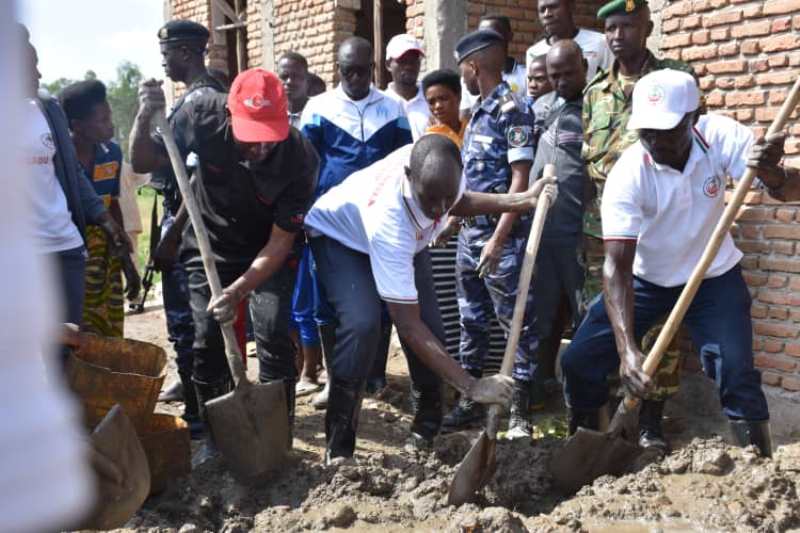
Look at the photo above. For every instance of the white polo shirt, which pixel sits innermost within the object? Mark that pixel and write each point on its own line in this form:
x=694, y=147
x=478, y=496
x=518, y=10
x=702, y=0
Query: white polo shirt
x=417, y=111
x=373, y=212
x=593, y=45
x=672, y=214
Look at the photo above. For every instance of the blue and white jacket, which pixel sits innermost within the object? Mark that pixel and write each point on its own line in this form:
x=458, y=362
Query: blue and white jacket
x=350, y=136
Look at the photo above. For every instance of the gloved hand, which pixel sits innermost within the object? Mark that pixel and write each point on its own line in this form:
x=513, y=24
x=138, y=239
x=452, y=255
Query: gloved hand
x=493, y=389
x=225, y=305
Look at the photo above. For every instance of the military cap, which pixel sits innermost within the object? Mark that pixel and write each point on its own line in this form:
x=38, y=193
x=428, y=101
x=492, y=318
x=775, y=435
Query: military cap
x=619, y=6
x=475, y=42
x=176, y=31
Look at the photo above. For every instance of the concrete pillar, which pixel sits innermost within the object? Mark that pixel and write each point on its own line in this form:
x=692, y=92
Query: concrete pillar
x=267, y=35
x=445, y=23
x=654, y=42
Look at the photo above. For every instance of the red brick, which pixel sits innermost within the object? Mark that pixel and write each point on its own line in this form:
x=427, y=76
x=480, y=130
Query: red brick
x=749, y=232
x=749, y=262
x=720, y=34
x=774, y=361
x=759, y=65
x=668, y=26
x=676, y=41
x=750, y=47
x=744, y=99
x=772, y=329
x=778, y=60
x=744, y=115
x=701, y=37
x=781, y=24
x=759, y=310
x=725, y=83
x=723, y=67
x=790, y=383
x=699, y=52
x=770, y=378
x=755, y=279
x=745, y=82
x=728, y=49
x=751, y=12
x=779, y=265
x=754, y=214
x=751, y=29
x=780, y=42
x=701, y=5
x=707, y=83
x=690, y=22
x=780, y=7
x=794, y=283
x=780, y=231
x=724, y=17
x=773, y=297
x=772, y=346
x=792, y=349
x=783, y=247
x=715, y=99
x=776, y=281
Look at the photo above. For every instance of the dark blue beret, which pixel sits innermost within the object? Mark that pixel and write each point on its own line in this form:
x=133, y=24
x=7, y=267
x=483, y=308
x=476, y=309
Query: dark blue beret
x=475, y=42
x=181, y=31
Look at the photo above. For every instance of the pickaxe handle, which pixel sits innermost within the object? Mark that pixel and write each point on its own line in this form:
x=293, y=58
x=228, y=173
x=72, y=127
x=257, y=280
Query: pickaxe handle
x=720, y=231
x=232, y=351
x=523, y=286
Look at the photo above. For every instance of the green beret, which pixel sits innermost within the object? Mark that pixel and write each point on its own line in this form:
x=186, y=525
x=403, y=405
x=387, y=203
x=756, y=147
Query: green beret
x=620, y=6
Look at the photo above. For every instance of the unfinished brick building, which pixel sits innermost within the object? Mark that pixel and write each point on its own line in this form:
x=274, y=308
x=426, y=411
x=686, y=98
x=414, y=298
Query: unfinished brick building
x=747, y=54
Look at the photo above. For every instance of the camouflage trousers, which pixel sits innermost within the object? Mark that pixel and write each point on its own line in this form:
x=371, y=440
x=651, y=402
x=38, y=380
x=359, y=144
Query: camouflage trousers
x=496, y=293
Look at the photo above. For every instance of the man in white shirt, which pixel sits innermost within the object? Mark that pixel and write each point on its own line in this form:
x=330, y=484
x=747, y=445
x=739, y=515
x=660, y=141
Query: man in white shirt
x=661, y=203
x=403, y=59
x=558, y=23
x=514, y=73
x=369, y=237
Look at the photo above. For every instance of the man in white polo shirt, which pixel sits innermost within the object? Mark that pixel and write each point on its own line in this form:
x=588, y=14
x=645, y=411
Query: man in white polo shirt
x=403, y=60
x=369, y=237
x=660, y=205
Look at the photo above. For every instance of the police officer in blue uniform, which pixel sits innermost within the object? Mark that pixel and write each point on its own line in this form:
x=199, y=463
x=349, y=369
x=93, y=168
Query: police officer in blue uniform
x=183, y=44
x=498, y=151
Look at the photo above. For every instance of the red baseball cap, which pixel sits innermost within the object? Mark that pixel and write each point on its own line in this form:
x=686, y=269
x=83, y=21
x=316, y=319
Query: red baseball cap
x=258, y=107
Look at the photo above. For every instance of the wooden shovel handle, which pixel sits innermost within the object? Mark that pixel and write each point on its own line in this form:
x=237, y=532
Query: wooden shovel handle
x=523, y=286
x=201, y=233
x=720, y=231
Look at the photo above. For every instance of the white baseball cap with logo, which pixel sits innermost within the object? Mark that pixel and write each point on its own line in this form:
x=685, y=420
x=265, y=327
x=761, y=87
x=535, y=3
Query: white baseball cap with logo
x=662, y=98
x=401, y=44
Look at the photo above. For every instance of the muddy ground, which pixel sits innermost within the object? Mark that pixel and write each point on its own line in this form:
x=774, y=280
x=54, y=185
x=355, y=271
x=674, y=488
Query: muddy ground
x=705, y=485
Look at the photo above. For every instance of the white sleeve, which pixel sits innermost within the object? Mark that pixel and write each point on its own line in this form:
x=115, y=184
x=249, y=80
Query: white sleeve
x=393, y=269
x=621, y=207
x=737, y=140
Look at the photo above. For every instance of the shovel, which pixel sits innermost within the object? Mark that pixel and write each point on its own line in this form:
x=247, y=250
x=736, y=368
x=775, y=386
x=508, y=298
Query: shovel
x=480, y=463
x=249, y=425
x=589, y=454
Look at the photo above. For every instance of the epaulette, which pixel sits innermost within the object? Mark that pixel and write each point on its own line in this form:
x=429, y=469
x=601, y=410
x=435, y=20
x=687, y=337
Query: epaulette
x=508, y=103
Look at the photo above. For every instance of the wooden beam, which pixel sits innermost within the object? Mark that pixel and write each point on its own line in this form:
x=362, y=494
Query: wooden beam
x=223, y=6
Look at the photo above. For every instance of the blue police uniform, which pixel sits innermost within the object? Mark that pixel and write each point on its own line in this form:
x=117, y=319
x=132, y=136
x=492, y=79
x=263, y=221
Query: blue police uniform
x=500, y=132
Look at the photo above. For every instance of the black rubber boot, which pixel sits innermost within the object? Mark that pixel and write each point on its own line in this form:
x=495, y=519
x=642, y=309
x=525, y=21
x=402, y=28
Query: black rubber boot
x=426, y=404
x=584, y=418
x=191, y=410
x=519, y=425
x=651, y=435
x=205, y=393
x=757, y=433
x=341, y=418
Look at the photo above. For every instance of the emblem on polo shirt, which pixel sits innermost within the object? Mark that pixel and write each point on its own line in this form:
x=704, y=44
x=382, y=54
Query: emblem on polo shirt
x=257, y=102
x=655, y=95
x=47, y=141
x=517, y=137
x=712, y=186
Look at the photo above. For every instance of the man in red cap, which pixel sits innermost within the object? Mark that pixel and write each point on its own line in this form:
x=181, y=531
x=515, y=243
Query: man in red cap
x=253, y=182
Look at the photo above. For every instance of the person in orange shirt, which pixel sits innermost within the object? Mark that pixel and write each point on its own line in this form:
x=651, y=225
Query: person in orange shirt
x=442, y=90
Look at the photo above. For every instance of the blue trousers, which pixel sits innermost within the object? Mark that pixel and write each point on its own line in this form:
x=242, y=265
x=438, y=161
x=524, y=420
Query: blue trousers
x=346, y=282
x=180, y=325
x=304, y=300
x=718, y=321
x=71, y=266
x=496, y=293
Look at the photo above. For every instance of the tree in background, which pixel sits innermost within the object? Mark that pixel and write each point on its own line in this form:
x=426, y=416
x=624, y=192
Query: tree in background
x=121, y=97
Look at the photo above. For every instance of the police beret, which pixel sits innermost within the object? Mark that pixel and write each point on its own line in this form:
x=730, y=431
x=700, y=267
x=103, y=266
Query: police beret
x=619, y=6
x=475, y=42
x=182, y=30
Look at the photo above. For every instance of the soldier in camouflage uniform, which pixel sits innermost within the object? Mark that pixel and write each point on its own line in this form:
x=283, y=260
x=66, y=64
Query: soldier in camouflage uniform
x=498, y=150
x=606, y=109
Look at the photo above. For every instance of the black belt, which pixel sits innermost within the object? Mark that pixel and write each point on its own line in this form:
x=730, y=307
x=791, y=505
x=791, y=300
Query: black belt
x=492, y=220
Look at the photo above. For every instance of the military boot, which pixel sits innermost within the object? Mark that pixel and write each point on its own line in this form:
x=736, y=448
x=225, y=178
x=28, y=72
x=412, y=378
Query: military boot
x=651, y=435
x=757, y=433
x=519, y=426
x=466, y=413
x=191, y=410
x=205, y=393
x=426, y=404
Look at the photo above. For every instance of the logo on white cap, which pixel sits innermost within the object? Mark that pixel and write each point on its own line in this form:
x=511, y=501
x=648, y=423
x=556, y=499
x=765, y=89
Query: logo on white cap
x=656, y=95
x=257, y=102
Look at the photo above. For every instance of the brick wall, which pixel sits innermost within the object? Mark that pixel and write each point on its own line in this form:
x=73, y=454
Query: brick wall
x=747, y=54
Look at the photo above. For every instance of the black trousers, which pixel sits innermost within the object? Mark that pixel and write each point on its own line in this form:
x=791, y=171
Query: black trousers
x=270, y=309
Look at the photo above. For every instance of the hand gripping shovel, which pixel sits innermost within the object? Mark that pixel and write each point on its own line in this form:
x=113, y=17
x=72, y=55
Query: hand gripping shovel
x=249, y=425
x=480, y=463
x=589, y=454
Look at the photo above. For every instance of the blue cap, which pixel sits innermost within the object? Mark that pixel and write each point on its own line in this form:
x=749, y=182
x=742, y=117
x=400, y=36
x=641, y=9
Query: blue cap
x=180, y=31
x=475, y=42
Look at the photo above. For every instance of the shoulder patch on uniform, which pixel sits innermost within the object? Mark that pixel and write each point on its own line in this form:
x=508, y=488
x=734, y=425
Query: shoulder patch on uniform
x=507, y=103
x=518, y=136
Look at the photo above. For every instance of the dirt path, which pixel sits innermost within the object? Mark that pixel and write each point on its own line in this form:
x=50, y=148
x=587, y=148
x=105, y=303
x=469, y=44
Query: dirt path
x=704, y=486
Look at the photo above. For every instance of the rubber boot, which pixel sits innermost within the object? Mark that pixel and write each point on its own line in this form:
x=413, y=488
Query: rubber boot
x=341, y=419
x=651, y=435
x=205, y=393
x=519, y=427
x=426, y=404
x=466, y=413
x=191, y=410
x=757, y=433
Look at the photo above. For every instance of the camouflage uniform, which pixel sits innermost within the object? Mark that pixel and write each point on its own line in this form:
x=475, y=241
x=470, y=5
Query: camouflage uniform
x=500, y=132
x=606, y=109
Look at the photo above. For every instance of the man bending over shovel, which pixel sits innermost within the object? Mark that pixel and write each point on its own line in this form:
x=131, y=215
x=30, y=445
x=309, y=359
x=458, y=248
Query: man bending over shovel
x=369, y=236
x=660, y=205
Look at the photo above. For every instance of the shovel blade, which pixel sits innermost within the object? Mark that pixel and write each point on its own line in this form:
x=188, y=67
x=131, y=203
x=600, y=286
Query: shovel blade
x=588, y=455
x=250, y=427
x=474, y=472
x=115, y=440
